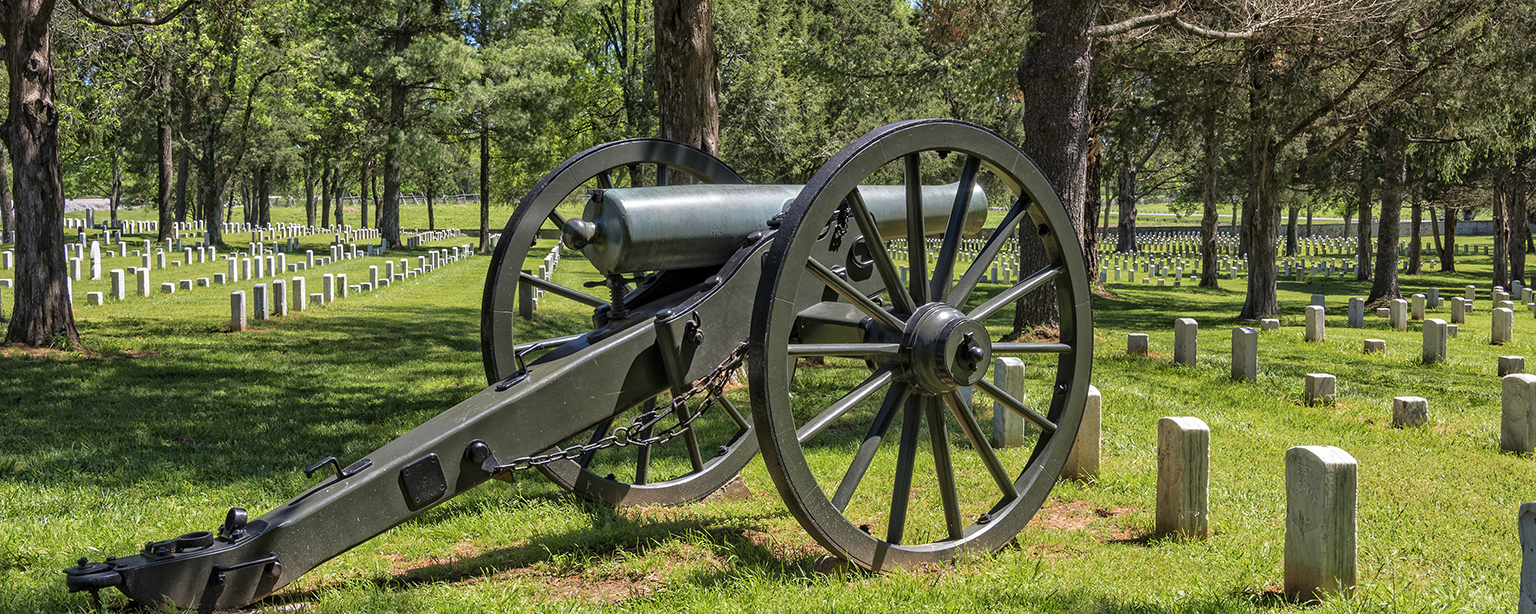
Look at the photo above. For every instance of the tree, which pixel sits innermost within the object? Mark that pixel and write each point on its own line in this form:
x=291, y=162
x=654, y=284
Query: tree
x=687, y=73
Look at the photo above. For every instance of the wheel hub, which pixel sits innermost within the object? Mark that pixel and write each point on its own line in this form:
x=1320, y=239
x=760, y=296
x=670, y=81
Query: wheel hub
x=946, y=350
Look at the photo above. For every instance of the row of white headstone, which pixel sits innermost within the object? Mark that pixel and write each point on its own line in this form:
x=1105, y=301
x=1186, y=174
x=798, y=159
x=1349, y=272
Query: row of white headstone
x=284, y=295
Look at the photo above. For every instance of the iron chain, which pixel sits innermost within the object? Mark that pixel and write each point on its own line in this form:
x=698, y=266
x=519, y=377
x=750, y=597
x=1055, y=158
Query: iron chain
x=713, y=385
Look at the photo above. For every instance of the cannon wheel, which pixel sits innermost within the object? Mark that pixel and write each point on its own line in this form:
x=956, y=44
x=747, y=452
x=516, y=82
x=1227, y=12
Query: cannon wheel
x=599, y=167
x=932, y=343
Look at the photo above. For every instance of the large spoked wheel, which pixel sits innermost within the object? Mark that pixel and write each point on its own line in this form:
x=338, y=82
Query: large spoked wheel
x=942, y=487
x=689, y=467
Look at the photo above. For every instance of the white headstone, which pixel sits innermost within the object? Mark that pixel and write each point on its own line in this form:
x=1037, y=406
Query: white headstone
x=1245, y=354
x=1315, y=330
x=1319, y=522
x=237, y=310
x=1320, y=388
x=1083, y=462
x=1007, y=426
x=1183, y=477
x=1503, y=326
x=1185, y=341
x=1409, y=411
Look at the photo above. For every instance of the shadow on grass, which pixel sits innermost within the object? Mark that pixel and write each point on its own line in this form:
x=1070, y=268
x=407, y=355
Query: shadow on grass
x=202, y=406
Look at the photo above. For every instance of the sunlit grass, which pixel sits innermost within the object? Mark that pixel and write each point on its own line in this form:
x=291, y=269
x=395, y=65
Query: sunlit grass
x=170, y=420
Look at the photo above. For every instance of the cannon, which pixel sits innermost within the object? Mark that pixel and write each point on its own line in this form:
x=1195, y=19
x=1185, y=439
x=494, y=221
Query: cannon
x=703, y=277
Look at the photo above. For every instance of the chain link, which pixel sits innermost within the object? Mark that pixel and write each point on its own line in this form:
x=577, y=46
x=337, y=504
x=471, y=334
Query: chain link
x=712, y=384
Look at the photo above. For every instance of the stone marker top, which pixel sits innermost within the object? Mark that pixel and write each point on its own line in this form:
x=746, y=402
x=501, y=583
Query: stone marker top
x=1185, y=423
x=1327, y=455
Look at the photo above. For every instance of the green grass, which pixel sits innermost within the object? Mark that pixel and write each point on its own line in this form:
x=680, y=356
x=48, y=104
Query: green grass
x=170, y=420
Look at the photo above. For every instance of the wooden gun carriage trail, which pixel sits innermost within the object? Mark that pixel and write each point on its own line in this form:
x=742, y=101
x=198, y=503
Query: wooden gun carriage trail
x=699, y=282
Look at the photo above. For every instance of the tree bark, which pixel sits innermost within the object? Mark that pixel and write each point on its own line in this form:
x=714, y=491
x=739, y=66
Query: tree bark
x=1091, y=205
x=485, y=185
x=1363, y=240
x=1501, y=198
x=687, y=74
x=431, y=215
x=309, y=193
x=1448, y=259
x=166, y=166
x=1260, y=220
x=338, y=196
x=115, y=196
x=1290, y=229
x=362, y=192
x=1210, y=145
x=42, y=314
x=1125, y=198
x=325, y=196
x=1519, y=230
x=1416, y=238
x=261, y=196
x=1394, y=178
x=1053, y=78
x=389, y=207
x=7, y=205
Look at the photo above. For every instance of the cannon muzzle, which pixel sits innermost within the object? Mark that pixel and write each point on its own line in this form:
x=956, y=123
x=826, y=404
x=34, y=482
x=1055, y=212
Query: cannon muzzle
x=631, y=230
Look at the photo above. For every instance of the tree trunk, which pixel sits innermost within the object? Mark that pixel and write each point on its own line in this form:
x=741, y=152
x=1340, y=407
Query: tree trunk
x=1209, y=142
x=1416, y=238
x=1053, y=78
x=42, y=314
x=261, y=196
x=389, y=208
x=687, y=74
x=7, y=206
x=362, y=192
x=325, y=197
x=378, y=203
x=309, y=193
x=1091, y=205
x=1260, y=220
x=485, y=186
x=1125, y=197
x=1519, y=230
x=1395, y=176
x=1290, y=230
x=1448, y=258
x=338, y=196
x=1309, y=220
x=431, y=215
x=1501, y=198
x=115, y=197
x=183, y=165
x=166, y=165
x=1363, y=242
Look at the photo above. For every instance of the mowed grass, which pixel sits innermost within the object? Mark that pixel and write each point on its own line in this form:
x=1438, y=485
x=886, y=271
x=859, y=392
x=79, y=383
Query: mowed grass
x=171, y=420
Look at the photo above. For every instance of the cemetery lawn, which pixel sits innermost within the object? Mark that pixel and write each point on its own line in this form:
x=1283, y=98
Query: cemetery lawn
x=170, y=420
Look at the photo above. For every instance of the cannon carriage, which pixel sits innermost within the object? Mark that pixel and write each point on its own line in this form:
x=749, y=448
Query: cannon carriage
x=698, y=286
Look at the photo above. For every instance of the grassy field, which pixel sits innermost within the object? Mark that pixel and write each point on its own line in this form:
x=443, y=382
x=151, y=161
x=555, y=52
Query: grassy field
x=169, y=420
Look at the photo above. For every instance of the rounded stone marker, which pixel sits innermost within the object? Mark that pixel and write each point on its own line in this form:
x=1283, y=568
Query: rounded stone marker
x=1320, y=486
x=1511, y=364
x=1136, y=344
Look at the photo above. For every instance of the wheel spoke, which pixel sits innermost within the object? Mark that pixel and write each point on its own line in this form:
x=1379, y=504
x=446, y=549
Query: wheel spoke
x=894, y=398
x=600, y=432
x=730, y=409
x=557, y=219
x=979, y=443
x=1031, y=348
x=871, y=385
x=643, y=453
x=944, y=269
x=690, y=439
x=967, y=284
x=917, y=275
x=1015, y=405
x=605, y=180
x=906, y=457
x=1015, y=293
x=943, y=467
x=557, y=289
x=851, y=350
x=663, y=173
x=889, y=274
x=854, y=296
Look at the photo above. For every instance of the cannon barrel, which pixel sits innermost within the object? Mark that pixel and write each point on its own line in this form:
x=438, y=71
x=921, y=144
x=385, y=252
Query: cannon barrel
x=631, y=230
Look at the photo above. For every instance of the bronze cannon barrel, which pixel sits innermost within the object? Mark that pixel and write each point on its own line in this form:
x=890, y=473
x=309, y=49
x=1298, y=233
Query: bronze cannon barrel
x=630, y=230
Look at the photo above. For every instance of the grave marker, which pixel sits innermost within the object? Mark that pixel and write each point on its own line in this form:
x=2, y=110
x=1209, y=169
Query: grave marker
x=1136, y=344
x=1517, y=424
x=1409, y=411
x=1399, y=314
x=1315, y=330
x=1320, y=388
x=1319, y=522
x=1511, y=364
x=1503, y=326
x=1245, y=354
x=1007, y=426
x=1083, y=462
x=237, y=310
x=1356, y=312
x=1185, y=340
x=1183, y=477
x=1435, y=345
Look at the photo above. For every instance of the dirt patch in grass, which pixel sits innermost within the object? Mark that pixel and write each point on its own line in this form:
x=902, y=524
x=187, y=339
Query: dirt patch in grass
x=1080, y=516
